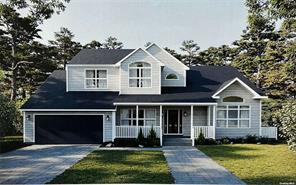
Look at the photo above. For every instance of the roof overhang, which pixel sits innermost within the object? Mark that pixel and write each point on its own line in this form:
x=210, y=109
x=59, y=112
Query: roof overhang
x=166, y=103
x=136, y=50
x=153, y=44
x=255, y=94
x=67, y=110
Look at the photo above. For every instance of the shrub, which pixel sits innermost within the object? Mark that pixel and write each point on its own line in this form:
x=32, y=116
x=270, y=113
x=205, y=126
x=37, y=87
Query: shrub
x=141, y=138
x=210, y=141
x=238, y=140
x=253, y=139
x=152, y=138
x=201, y=140
x=125, y=142
x=266, y=140
x=225, y=140
x=11, y=143
x=287, y=118
x=8, y=116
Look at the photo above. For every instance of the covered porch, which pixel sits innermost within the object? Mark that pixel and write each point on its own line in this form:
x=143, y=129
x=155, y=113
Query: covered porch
x=186, y=120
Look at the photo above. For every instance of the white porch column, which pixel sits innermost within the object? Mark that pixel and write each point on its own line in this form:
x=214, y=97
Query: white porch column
x=160, y=124
x=208, y=115
x=214, y=121
x=191, y=125
x=113, y=126
x=137, y=119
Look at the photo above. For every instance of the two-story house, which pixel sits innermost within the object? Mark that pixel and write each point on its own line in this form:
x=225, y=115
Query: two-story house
x=111, y=93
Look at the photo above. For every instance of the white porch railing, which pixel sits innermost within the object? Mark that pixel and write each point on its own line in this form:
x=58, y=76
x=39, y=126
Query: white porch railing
x=269, y=132
x=208, y=131
x=132, y=131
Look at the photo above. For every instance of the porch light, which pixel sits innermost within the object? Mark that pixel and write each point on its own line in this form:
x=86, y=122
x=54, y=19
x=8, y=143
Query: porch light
x=107, y=117
x=28, y=117
x=185, y=114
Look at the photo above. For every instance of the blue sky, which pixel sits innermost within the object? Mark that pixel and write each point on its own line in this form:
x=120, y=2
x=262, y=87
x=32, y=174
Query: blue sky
x=165, y=22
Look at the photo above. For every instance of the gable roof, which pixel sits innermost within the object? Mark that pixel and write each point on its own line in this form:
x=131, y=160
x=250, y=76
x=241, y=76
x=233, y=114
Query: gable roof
x=135, y=51
x=165, y=51
x=100, y=56
x=202, y=83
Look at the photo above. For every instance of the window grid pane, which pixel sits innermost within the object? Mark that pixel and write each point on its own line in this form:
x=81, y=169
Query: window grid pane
x=233, y=116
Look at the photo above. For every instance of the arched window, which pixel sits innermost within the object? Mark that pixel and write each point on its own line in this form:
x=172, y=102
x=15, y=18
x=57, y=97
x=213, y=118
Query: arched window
x=140, y=74
x=171, y=76
x=233, y=99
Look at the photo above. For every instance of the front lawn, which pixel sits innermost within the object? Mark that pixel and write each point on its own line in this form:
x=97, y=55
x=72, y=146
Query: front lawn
x=256, y=164
x=9, y=143
x=118, y=167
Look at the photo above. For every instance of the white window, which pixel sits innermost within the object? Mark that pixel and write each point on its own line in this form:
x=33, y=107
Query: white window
x=233, y=99
x=147, y=117
x=140, y=74
x=96, y=78
x=233, y=116
x=171, y=76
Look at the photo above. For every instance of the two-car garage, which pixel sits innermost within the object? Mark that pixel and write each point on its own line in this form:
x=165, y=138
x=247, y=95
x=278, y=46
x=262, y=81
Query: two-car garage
x=68, y=129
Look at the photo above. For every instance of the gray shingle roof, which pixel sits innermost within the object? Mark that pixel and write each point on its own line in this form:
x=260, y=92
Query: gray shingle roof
x=202, y=83
x=100, y=56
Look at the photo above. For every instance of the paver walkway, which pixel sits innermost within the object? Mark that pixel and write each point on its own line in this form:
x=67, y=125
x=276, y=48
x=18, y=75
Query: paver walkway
x=190, y=166
x=38, y=164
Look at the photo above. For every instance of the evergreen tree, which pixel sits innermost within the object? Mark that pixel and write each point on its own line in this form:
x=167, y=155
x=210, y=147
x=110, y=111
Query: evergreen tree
x=93, y=45
x=191, y=49
x=112, y=43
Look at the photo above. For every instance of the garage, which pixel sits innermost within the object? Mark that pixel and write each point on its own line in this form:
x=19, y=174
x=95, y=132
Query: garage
x=68, y=129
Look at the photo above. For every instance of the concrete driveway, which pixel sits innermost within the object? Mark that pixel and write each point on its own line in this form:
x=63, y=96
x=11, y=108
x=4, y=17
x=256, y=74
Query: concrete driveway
x=38, y=164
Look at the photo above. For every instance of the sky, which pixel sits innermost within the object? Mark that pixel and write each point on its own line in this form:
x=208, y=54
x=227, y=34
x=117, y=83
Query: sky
x=165, y=22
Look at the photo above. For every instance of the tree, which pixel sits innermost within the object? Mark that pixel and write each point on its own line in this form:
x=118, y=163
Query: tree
x=17, y=30
x=8, y=115
x=191, y=49
x=66, y=48
x=287, y=117
x=93, y=45
x=112, y=43
x=147, y=44
x=174, y=53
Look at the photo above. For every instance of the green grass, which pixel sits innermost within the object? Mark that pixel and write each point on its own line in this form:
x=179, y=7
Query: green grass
x=256, y=164
x=118, y=167
x=9, y=143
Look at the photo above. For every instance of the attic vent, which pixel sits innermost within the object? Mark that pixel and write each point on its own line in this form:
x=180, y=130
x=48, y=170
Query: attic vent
x=171, y=76
x=233, y=99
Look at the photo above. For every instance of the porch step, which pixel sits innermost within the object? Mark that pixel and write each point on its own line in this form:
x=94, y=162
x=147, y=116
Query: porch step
x=177, y=141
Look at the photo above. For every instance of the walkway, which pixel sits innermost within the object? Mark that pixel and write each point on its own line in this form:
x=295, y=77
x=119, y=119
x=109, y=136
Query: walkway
x=38, y=164
x=190, y=166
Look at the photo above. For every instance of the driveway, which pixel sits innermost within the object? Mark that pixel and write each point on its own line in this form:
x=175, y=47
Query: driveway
x=38, y=164
x=190, y=166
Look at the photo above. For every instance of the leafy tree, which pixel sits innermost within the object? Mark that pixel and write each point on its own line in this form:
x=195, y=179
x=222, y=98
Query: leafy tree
x=66, y=48
x=17, y=30
x=112, y=43
x=174, y=53
x=191, y=49
x=287, y=118
x=93, y=45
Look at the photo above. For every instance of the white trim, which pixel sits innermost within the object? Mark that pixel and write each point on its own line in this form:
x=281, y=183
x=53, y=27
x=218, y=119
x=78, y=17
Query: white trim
x=238, y=118
x=160, y=124
x=67, y=79
x=68, y=110
x=53, y=114
x=260, y=118
x=167, y=122
x=24, y=127
x=126, y=57
x=256, y=95
x=208, y=116
x=233, y=101
x=113, y=126
x=186, y=67
x=214, y=122
x=157, y=103
x=95, y=88
x=172, y=73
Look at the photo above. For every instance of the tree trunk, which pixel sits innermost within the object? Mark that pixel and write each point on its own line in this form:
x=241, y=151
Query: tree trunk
x=13, y=73
x=258, y=84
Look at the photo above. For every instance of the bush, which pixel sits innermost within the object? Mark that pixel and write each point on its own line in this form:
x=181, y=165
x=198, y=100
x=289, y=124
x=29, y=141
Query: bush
x=287, y=118
x=225, y=140
x=252, y=139
x=11, y=143
x=201, y=140
x=141, y=138
x=266, y=140
x=125, y=142
x=152, y=138
x=8, y=116
x=210, y=141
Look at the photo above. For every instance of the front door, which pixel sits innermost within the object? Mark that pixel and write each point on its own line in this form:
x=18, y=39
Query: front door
x=173, y=122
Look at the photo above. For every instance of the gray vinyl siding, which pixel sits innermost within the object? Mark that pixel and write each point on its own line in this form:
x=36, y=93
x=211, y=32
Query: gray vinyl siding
x=76, y=78
x=140, y=56
x=171, y=66
x=29, y=125
x=237, y=90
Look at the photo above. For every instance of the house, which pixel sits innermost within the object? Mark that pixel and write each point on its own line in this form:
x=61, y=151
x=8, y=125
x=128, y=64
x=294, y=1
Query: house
x=111, y=93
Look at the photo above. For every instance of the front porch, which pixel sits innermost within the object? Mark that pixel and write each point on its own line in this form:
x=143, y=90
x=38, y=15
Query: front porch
x=171, y=120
